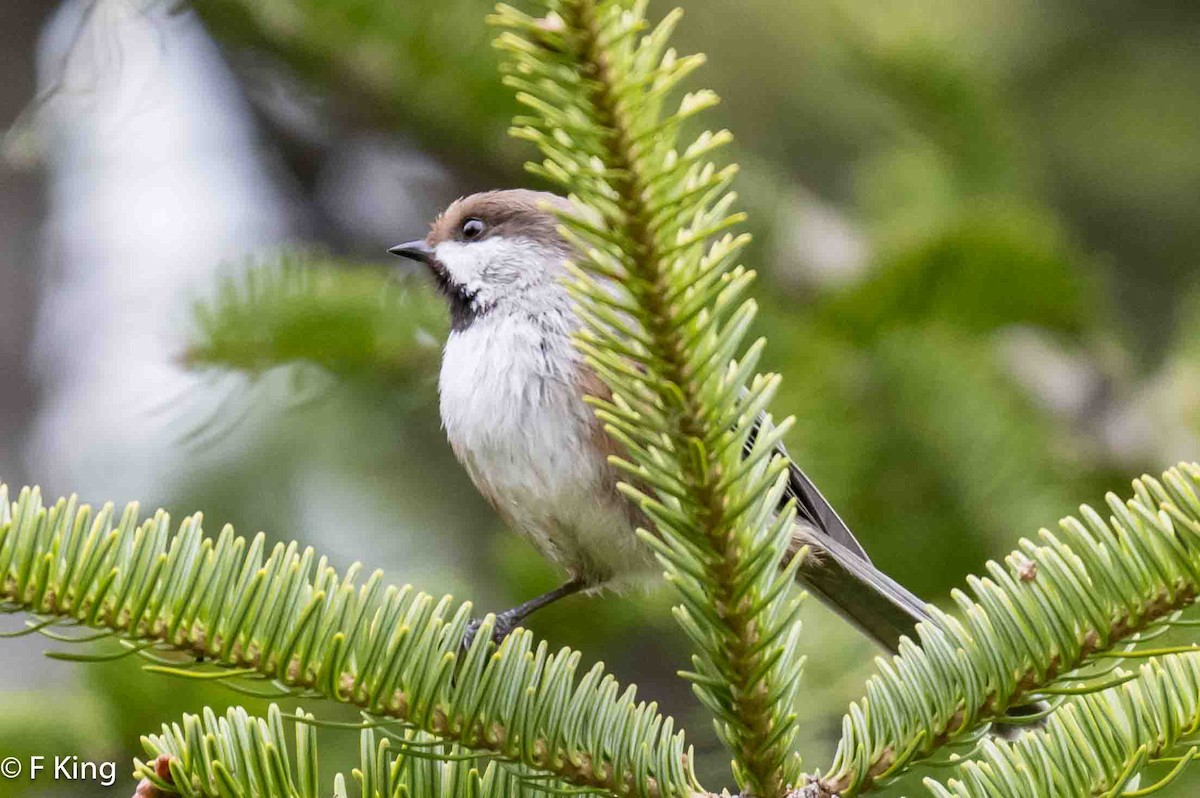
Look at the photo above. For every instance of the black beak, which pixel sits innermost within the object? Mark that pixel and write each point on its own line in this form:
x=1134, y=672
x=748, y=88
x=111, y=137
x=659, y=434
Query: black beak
x=414, y=250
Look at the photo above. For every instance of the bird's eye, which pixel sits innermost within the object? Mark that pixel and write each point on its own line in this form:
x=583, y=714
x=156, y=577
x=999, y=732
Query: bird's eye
x=472, y=229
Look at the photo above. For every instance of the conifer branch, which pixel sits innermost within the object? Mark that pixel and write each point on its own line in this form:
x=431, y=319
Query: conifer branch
x=1054, y=620
x=241, y=755
x=223, y=609
x=1099, y=744
x=355, y=321
x=664, y=328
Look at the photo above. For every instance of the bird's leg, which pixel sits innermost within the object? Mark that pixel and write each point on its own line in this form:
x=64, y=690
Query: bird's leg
x=510, y=619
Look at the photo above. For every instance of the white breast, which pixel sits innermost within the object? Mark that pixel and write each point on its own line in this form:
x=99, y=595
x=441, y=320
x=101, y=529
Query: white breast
x=514, y=416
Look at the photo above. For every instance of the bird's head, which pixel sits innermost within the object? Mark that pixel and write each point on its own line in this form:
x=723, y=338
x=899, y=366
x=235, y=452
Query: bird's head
x=494, y=250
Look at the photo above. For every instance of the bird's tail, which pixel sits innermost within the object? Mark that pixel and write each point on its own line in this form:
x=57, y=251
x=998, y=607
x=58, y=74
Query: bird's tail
x=884, y=610
x=839, y=572
x=861, y=593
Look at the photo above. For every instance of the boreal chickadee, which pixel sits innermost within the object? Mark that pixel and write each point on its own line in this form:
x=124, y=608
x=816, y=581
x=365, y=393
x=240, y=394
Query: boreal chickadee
x=511, y=393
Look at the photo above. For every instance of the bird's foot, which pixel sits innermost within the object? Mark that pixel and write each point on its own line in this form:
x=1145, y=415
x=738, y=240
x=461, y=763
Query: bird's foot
x=510, y=619
x=505, y=623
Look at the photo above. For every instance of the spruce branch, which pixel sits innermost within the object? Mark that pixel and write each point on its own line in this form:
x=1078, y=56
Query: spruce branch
x=240, y=755
x=237, y=754
x=1097, y=744
x=224, y=609
x=665, y=327
x=1055, y=620
x=355, y=321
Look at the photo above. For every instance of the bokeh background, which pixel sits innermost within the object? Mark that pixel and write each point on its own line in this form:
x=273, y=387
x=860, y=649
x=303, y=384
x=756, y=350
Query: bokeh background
x=975, y=223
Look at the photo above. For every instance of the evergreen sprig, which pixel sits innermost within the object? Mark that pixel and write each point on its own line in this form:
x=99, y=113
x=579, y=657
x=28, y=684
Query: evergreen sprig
x=1054, y=620
x=225, y=609
x=665, y=326
x=1097, y=745
x=358, y=322
x=239, y=755
x=235, y=755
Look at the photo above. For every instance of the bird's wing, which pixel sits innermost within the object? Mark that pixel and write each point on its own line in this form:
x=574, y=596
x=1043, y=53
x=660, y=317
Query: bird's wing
x=811, y=506
x=839, y=572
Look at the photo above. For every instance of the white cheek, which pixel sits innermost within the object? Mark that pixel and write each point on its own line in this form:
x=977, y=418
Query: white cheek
x=491, y=267
x=462, y=261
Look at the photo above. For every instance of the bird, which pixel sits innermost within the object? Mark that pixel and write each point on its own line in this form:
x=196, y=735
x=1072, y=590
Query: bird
x=511, y=397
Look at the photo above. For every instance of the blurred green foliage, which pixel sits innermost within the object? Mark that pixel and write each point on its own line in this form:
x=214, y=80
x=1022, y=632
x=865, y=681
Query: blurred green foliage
x=993, y=166
x=424, y=69
x=984, y=270
x=933, y=130
x=358, y=323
